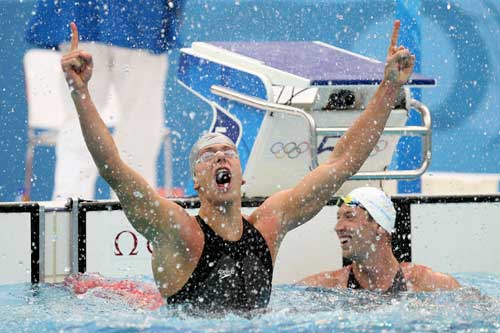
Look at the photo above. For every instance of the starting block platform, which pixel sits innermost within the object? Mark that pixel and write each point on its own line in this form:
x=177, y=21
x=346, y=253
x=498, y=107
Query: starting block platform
x=285, y=104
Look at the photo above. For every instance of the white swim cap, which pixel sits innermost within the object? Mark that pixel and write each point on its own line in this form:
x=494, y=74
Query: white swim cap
x=207, y=140
x=377, y=204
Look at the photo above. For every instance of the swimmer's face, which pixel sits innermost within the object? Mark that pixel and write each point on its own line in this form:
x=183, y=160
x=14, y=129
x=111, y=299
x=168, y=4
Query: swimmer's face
x=217, y=172
x=357, y=232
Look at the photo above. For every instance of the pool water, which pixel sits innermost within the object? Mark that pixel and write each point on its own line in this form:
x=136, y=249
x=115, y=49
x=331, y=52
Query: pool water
x=56, y=308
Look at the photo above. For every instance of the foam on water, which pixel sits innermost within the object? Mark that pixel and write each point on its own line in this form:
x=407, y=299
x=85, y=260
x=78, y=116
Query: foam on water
x=50, y=308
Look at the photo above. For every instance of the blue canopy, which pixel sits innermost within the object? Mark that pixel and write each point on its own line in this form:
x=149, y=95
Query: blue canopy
x=148, y=24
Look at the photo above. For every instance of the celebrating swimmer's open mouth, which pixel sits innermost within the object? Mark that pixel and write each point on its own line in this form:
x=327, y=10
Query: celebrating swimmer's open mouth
x=344, y=240
x=223, y=177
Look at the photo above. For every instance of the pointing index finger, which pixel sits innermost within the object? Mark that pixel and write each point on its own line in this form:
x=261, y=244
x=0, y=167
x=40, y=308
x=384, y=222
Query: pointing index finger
x=74, y=36
x=395, y=34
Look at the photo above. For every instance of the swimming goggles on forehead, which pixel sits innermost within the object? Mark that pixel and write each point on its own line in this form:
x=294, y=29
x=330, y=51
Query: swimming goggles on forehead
x=349, y=201
x=209, y=155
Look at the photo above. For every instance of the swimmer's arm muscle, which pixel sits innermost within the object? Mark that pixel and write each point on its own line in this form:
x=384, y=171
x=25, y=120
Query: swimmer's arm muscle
x=148, y=212
x=305, y=200
x=153, y=216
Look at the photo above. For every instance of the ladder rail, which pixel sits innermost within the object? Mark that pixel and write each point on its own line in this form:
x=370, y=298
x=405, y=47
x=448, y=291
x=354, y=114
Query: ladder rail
x=425, y=131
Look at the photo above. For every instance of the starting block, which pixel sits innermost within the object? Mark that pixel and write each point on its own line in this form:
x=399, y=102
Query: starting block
x=285, y=104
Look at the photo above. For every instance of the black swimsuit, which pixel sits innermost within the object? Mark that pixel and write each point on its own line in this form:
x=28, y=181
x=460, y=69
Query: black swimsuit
x=398, y=283
x=229, y=275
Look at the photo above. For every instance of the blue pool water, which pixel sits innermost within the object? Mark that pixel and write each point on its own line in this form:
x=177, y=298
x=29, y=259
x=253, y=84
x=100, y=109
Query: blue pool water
x=54, y=308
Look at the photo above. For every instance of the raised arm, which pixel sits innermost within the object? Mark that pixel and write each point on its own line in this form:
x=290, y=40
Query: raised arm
x=297, y=205
x=354, y=147
x=149, y=213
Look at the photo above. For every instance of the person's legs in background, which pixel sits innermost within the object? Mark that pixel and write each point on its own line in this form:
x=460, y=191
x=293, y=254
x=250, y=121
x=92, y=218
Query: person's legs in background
x=139, y=78
x=76, y=173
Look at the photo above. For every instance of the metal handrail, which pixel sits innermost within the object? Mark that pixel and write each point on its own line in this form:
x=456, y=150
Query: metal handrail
x=273, y=107
x=425, y=131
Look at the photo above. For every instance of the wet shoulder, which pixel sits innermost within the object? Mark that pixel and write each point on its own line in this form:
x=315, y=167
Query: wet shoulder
x=418, y=277
x=328, y=279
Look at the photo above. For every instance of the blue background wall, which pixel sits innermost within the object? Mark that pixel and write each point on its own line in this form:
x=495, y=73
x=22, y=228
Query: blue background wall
x=459, y=46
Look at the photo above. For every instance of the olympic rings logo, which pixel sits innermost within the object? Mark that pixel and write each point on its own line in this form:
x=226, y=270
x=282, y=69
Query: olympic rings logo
x=291, y=150
x=135, y=240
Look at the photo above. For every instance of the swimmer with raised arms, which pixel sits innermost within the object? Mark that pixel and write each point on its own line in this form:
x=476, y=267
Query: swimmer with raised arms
x=221, y=259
